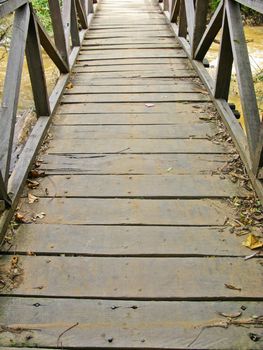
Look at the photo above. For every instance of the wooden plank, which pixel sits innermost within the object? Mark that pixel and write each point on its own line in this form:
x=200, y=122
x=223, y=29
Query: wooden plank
x=149, y=186
x=127, y=98
x=135, y=278
x=12, y=87
x=90, y=78
x=131, y=119
x=123, y=54
x=126, y=41
x=131, y=61
x=181, y=86
x=126, y=241
x=183, y=131
x=10, y=6
x=199, y=212
x=128, y=46
x=164, y=107
x=119, y=146
x=126, y=324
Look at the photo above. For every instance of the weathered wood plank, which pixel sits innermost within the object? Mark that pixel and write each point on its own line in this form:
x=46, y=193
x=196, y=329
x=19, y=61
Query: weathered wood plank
x=132, y=61
x=181, y=86
x=121, y=324
x=164, y=107
x=135, y=278
x=142, y=97
x=130, y=119
x=199, y=212
x=127, y=241
x=147, y=53
x=149, y=186
x=122, y=146
x=183, y=131
x=130, y=68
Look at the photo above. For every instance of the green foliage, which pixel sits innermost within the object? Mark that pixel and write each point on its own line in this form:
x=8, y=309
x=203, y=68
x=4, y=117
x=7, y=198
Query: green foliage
x=42, y=9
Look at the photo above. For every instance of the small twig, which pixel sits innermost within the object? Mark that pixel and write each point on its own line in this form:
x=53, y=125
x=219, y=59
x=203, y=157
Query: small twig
x=61, y=335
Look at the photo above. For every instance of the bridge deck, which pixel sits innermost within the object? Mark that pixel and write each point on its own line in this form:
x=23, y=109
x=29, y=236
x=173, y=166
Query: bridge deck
x=130, y=247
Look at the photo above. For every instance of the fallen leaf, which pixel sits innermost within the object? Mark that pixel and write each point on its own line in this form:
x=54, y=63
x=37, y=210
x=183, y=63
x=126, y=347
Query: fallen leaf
x=20, y=218
x=230, y=286
x=31, y=198
x=40, y=215
x=149, y=105
x=69, y=86
x=252, y=242
x=36, y=173
x=32, y=184
x=169, y=169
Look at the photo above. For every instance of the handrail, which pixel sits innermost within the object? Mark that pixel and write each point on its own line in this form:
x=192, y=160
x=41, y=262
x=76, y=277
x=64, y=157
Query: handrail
x=69, y=24
x=188, y=19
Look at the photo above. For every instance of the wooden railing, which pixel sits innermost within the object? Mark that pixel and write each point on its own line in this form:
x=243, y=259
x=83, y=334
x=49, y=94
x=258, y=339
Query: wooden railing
x=188, y=19
x=69, y=23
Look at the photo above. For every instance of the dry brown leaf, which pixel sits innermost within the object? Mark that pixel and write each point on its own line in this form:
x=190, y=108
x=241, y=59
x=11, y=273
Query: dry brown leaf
x=253, y=242
x=31, y=198
x=230, y=286
x=36, y=173
x=20, y=218
x=69, y=86
x=32, y=184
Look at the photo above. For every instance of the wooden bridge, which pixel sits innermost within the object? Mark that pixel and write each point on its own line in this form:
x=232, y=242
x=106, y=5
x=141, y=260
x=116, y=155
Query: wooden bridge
x=130, y=224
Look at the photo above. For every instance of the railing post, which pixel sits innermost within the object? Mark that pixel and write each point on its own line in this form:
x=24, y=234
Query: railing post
x=36, y=69
x=182, y=31
x=225, y=63
x=12, y=88
x=201, y=8
x=58, y=28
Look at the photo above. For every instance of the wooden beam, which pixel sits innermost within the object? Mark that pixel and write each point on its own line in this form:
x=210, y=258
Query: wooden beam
x=244, y=76
x=90, y=7
x=175, y=11
x=36, y=69
x=50, y=48
x=190, y=18
x=81, y=10
x=201, y=9
x=66, y=19
x=57, y=23
x=225, y=64
x=210, y=33
x=256, y=5
x=74, y=28
x=182, y=30
x=12, y=87
x=10, y=6
x=3, y=191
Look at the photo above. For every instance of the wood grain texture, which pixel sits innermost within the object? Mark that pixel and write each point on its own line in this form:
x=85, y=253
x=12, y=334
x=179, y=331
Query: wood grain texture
x=127, y=240
x=199, y=212
x=136, y=278
x=149, y=186
x=132, y=324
